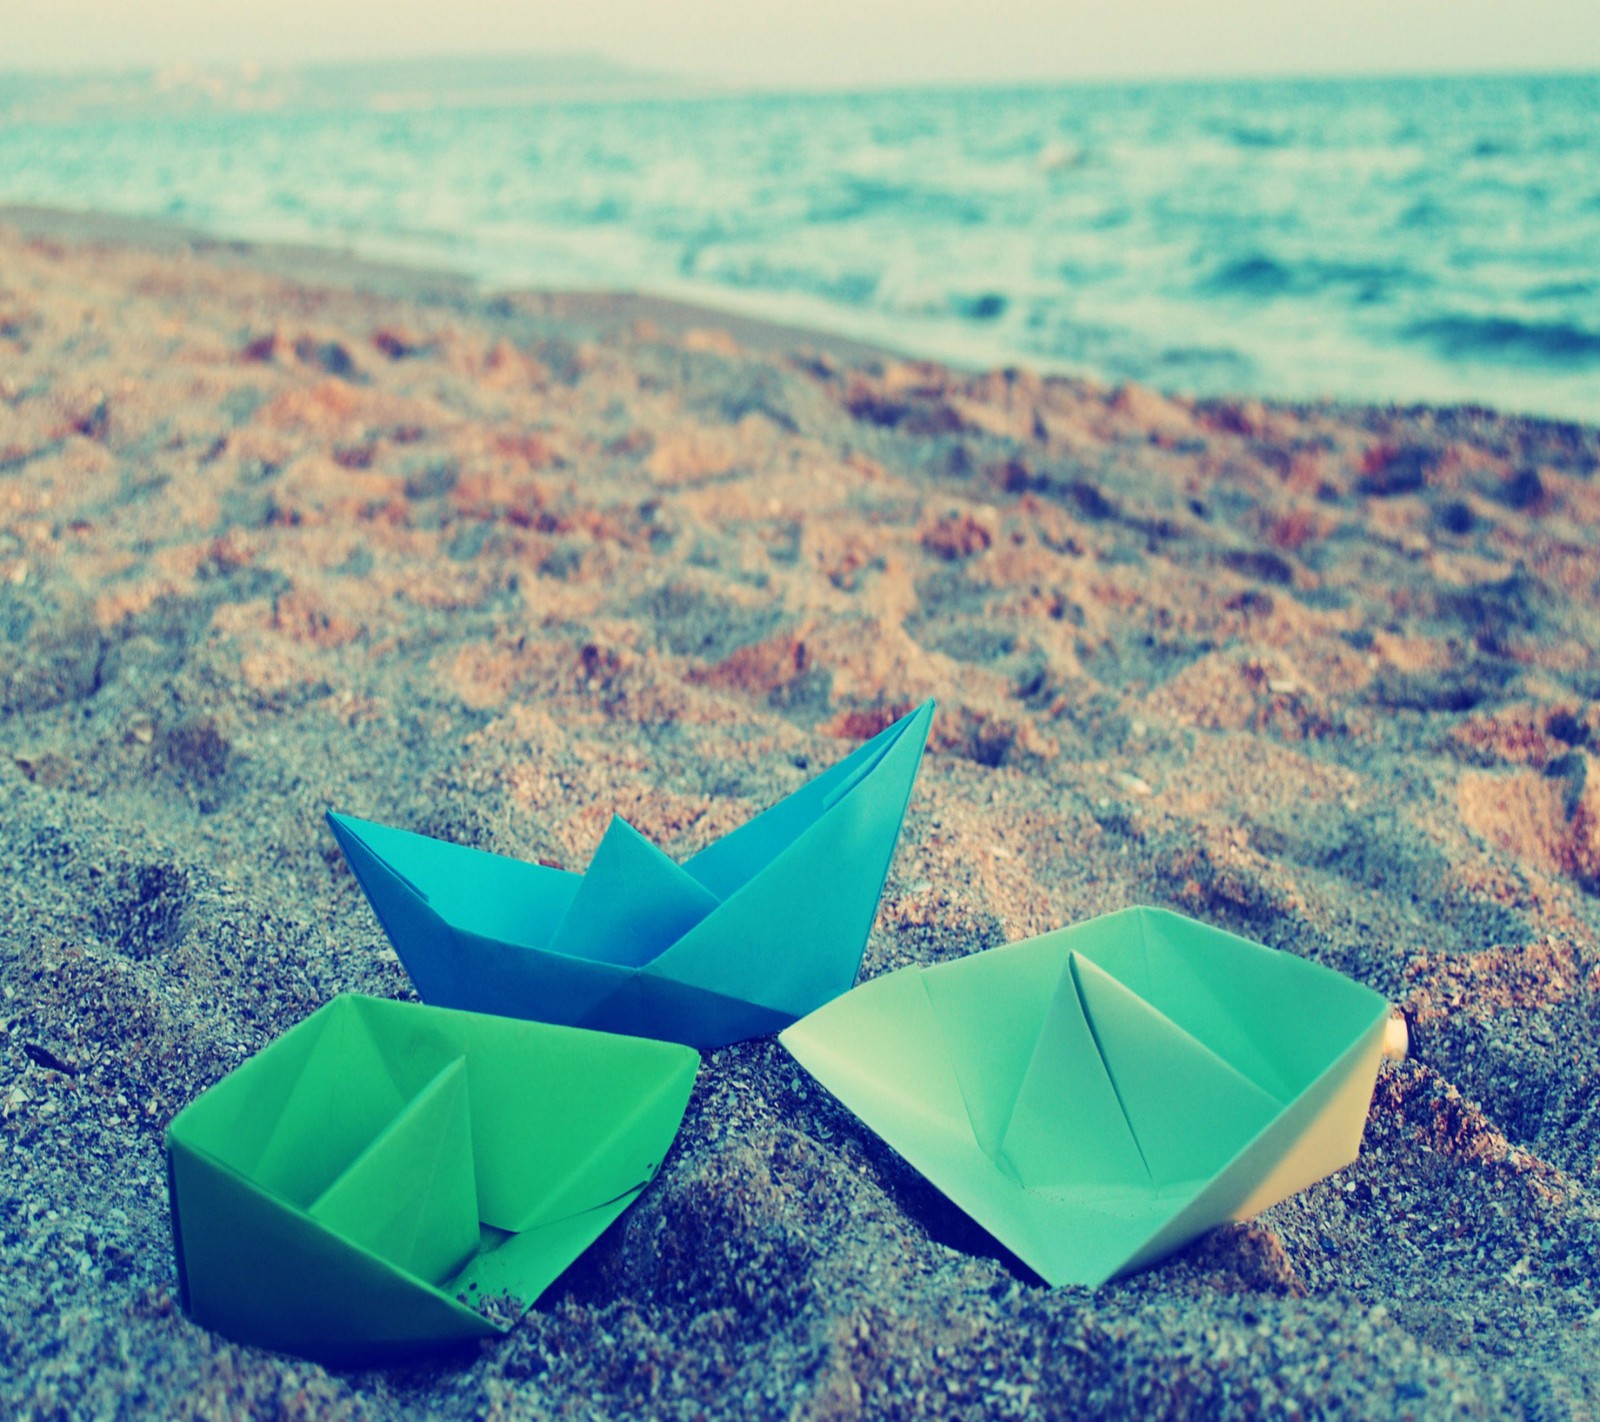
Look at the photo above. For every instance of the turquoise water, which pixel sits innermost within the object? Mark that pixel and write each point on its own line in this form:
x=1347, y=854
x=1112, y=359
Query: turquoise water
x=1396, y=240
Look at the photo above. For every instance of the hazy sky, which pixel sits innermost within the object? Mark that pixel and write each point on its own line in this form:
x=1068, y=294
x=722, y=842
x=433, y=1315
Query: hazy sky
x=823, y=42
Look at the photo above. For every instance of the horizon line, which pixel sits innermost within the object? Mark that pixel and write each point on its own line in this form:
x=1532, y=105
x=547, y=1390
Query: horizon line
x=713, y=84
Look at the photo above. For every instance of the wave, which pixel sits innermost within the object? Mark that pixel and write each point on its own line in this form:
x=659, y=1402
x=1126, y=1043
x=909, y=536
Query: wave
x=1504, y=338
x=1252, y=276
x=847, y=198
x=1262, y=276
x=983, y=306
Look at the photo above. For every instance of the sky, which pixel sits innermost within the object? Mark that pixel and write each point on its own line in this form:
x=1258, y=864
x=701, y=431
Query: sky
x=828, y=43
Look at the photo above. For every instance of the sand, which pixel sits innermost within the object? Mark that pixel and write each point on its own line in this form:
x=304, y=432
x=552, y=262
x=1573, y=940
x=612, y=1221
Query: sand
x=279, y=532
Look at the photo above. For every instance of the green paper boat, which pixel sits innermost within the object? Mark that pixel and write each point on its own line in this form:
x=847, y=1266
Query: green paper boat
x=740, y=940
x=1099, y=1096
x=349, y=1191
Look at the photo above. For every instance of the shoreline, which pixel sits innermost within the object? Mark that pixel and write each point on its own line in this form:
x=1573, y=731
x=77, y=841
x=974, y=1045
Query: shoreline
x=598, y=312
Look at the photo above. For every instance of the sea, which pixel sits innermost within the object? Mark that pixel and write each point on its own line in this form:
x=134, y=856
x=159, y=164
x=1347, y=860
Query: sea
x=1398, y=240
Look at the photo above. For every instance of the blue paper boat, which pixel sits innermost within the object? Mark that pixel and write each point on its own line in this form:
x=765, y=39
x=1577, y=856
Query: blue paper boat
x=750, y=934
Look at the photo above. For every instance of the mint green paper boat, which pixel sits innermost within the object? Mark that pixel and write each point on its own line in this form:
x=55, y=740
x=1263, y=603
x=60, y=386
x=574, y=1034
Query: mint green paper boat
x=740, y=940
x=1099, y=1096
x=350, y=1190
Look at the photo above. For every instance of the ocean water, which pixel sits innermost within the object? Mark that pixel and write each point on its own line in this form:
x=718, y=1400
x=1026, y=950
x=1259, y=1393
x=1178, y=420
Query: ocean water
x=1393, y=240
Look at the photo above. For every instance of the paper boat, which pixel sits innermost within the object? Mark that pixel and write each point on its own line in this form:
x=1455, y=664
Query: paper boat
x=1099, y=1096
x=751, y=933
x=348, y=1191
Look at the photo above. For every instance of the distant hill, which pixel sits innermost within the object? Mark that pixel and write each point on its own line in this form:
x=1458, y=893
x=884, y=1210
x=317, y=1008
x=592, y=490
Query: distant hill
x=375, y=85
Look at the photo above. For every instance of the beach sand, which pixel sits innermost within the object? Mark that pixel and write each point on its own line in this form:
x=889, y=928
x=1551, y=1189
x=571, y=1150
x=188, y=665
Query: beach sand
x=280, y=532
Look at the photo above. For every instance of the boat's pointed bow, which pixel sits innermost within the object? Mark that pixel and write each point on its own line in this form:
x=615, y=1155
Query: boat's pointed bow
x=792, y=933
x=896, y=771
x=416, y=931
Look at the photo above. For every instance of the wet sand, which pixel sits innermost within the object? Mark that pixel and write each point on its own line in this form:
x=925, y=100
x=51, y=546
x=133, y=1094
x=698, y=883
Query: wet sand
x=280, y=531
